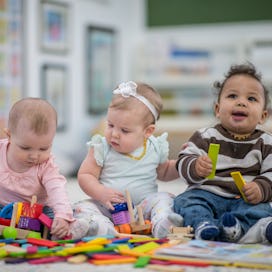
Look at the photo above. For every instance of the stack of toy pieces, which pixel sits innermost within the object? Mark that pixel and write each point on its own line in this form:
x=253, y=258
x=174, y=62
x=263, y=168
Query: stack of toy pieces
x=23, y=220
x=125, y=221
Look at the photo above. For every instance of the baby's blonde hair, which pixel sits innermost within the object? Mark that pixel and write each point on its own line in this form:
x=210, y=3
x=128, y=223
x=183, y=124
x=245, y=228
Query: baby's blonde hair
x=37, y=111
x=143, y=89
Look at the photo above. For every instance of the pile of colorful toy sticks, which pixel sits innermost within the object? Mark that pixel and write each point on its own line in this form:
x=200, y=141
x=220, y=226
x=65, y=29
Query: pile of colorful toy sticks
x=98, y=250
x=102, y=250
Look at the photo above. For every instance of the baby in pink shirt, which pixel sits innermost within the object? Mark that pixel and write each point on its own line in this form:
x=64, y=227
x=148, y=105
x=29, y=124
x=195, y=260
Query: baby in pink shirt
x=27, y=166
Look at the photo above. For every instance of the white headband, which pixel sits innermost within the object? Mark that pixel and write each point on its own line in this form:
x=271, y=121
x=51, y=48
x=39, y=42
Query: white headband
x=129, y=88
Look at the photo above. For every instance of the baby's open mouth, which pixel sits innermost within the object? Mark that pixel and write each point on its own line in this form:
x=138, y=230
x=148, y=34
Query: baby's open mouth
x=239, y=114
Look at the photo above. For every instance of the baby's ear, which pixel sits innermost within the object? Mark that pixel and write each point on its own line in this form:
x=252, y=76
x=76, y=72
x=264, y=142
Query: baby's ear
x=149, y=130
x=264, y=117
x=216, y=110
x=7, y=132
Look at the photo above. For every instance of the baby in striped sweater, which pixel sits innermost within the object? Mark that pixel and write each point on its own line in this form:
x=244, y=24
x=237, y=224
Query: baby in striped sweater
x=214, y=207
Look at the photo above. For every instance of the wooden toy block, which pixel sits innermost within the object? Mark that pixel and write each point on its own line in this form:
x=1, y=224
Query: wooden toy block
x=213, y=154
x=181, y=233
x=50, y=259
x=32, y=249
x=32, y=209
x=19, y=211
x=12, y=248
x=120, y=215
x=14, y=215
x=130, y=207
x=240, y=182
x=42, y=242
x=125, y=235
x=146, y=247
x=29, y=223
x=184, y=230
x=47, y=221
x=141, y=225
x=4, y=221
x=77, y=259
x=142, y=261
x=120, y=218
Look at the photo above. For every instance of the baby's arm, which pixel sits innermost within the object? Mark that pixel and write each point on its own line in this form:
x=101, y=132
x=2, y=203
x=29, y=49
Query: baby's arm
x=88, y=179
x=167, y=171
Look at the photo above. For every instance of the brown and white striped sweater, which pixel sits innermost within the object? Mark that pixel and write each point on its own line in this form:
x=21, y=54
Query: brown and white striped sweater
x=252, y=157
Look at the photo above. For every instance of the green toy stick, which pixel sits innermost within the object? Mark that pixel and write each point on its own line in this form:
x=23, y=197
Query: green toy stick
x=213, y=154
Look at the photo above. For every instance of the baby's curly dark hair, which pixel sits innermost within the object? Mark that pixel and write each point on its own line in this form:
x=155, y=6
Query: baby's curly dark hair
x=243, y=69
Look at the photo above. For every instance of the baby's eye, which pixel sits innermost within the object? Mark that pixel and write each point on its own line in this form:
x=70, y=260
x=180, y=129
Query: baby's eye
x=44, y=149
x=125, y=131
x=232, y=96
x=110, y=125
x=251, y=98
x=24, y=147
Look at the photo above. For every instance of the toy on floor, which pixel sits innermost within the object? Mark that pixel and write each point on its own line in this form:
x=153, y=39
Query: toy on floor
x=181, y=233
x=124, y=220
x=22, y=220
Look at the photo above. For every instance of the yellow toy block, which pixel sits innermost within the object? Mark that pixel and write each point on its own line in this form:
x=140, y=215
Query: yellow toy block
x=213, y=154
x=239, y=181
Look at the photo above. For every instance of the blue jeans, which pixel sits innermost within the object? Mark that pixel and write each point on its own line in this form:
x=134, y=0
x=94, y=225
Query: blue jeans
x=197, y=206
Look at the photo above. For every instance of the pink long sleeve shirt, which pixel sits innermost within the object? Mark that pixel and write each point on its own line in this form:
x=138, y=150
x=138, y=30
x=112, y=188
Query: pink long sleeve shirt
x=43, y=180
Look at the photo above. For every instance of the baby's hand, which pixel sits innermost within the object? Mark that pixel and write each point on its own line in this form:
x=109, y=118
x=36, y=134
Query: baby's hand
x=252, y=192
x=203, y=166
x=111, y=196
x=60, y=227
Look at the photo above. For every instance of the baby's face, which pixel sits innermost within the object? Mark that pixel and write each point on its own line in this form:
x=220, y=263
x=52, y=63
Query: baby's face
x=27, y=149
x=125, y=131
x=241, y=105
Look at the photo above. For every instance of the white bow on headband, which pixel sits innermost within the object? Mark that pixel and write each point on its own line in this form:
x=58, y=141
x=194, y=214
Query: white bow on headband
x=126, y=89
x=129, y=88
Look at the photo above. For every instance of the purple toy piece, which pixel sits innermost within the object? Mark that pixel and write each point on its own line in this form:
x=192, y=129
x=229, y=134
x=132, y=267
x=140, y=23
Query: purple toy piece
x=29, y=223
x=120, y=218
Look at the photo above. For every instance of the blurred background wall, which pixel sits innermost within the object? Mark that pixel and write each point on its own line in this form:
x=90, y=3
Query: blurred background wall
x=74, y=52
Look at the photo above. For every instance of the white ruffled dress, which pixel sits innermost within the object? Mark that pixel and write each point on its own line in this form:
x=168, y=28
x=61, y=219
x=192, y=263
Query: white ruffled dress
x=122, y=172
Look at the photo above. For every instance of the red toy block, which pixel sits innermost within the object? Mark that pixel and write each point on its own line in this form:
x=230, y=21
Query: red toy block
x=33, y=211
x=42, y=242
x=4, y=221
x=47, y=221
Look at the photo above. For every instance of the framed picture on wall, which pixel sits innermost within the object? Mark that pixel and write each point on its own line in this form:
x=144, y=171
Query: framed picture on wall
x=54, y=90
x=12, y=53
x=100, y=68
x=54, y=31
